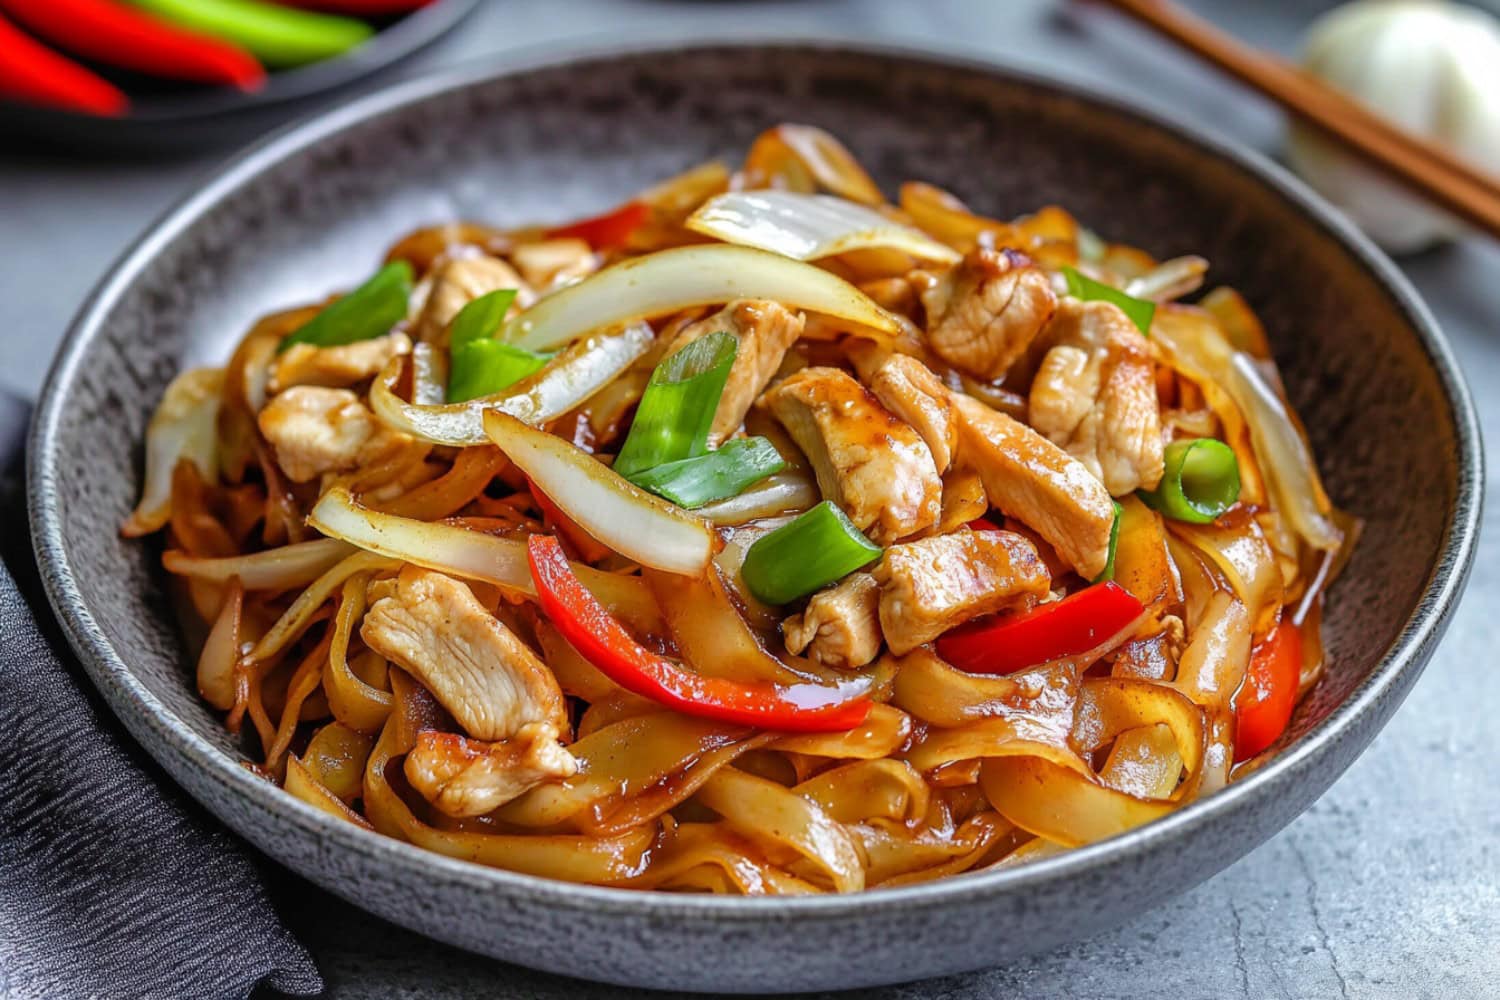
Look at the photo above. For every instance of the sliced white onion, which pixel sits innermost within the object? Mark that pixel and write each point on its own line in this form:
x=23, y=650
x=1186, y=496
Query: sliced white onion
x=616, y=512
x=671, y=280
x=783, y=493
x=429, y=375
x=568, y=380
x=184, y=426
x=809, y=226
x=281, y=568
x=1171, y=279
x=472, y=555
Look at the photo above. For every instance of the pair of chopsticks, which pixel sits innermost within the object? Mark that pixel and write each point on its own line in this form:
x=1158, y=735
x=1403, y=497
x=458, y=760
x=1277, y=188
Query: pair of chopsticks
x=1422, y=165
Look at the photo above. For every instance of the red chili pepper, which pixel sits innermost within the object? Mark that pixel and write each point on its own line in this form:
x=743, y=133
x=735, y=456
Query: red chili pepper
x=611, y=229
x=1073, y=625
x=119, y=35
x=34, y=74
x=1263, y=704
x=582, y=620
x=982, y=524
x=585, y=544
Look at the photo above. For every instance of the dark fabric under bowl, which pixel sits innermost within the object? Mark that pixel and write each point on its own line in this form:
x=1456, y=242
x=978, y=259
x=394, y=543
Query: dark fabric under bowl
x=311, y=211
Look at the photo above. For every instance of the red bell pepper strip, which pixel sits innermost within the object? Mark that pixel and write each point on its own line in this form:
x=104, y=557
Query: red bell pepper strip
x=34, y=74
x=1076, y=624
x=982, y=524
x=118, y=35
x=1263, y=704
x=604, y=232
x=588, y=627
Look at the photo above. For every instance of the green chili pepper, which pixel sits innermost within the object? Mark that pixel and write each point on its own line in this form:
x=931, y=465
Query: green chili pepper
x=1081, y=286
x=276, y=35
x=816, y=549
x=367, y=312
x=1201, y=481
x=480, y=318
x=677, y=408
x=484, y=367
x=693, y=482
x=1108, y=573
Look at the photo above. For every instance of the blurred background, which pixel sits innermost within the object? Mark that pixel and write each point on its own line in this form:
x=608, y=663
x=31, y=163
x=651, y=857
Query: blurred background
x=1373, y=893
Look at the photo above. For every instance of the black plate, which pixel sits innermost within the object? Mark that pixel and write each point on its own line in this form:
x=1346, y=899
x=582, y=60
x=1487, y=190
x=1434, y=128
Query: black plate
x=194, y=117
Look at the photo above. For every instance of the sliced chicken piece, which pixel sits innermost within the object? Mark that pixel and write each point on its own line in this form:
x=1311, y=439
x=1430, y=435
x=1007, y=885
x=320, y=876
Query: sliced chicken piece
x=983, y=313
x=1037, y=483
x=840, y=626
x=912, y=392
x=314, y=430
x=335, y=367
x=488, y=679
x=1095, y=395
x=875, y=467
x=460, y=280
x=765, y=330
x=929, y=586
x=549, y=264
x=465, y=777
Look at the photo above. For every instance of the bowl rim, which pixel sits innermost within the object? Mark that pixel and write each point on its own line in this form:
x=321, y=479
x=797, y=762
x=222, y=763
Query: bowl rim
x=133, y=703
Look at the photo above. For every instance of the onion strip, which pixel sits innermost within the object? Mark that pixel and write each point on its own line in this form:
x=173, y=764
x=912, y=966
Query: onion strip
x=614, y=511
x=567, y=381
x=809, y=226
x=671, y=280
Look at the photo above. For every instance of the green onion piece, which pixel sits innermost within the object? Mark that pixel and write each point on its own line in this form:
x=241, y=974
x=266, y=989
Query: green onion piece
x=1201, y=481
x=1108, y=573
x=1081, y=286
x=677, y=408
x=693, y=482
x=367, y=312
x=813, y=551
x=483, y=367
x=480, y=319
x=274, y=34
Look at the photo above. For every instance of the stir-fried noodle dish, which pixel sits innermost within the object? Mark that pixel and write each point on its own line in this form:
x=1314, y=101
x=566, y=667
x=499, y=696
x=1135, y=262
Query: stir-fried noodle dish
x=762, y=535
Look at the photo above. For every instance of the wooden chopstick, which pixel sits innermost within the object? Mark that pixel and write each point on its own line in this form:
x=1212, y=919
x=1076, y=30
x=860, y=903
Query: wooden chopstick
x=1419, y=163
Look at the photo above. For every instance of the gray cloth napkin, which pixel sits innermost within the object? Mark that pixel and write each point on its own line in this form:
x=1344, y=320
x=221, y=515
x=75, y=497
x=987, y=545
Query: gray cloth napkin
x=112, y=884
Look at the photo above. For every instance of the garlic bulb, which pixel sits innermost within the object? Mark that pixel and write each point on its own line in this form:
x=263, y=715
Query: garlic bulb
x=1428, y=65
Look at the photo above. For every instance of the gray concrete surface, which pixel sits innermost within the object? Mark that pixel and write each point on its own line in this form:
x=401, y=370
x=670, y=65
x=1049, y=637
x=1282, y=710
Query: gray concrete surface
x=1389, y=887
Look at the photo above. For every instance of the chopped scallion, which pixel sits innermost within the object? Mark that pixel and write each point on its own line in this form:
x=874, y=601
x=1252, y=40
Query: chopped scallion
x=718, y=475
x=480, y=318
x=483, y=367
x=677, y=408
x=1201, y=481
x=1081, y=286
x=365, y=313
x=816, y=549
x=1108, y=573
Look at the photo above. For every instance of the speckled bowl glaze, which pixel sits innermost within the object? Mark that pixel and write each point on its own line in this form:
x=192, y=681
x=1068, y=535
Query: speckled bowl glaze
x=551, y=137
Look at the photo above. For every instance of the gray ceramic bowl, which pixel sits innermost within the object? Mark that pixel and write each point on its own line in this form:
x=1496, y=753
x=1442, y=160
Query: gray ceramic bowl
x=310, y=210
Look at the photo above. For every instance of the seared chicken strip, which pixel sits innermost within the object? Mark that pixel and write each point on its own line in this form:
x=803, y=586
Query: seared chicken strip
x=912, y=392
x=549, y=264
x=315, y=430
x=465, y=777
x=929, y=586
x=489, y=681
x=458, y=281
x=982, y=315
x=1095, y=395
x=840, y=626
x=764, y=330
x=1039, y=484
x=336, y=367
x=875, y=467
